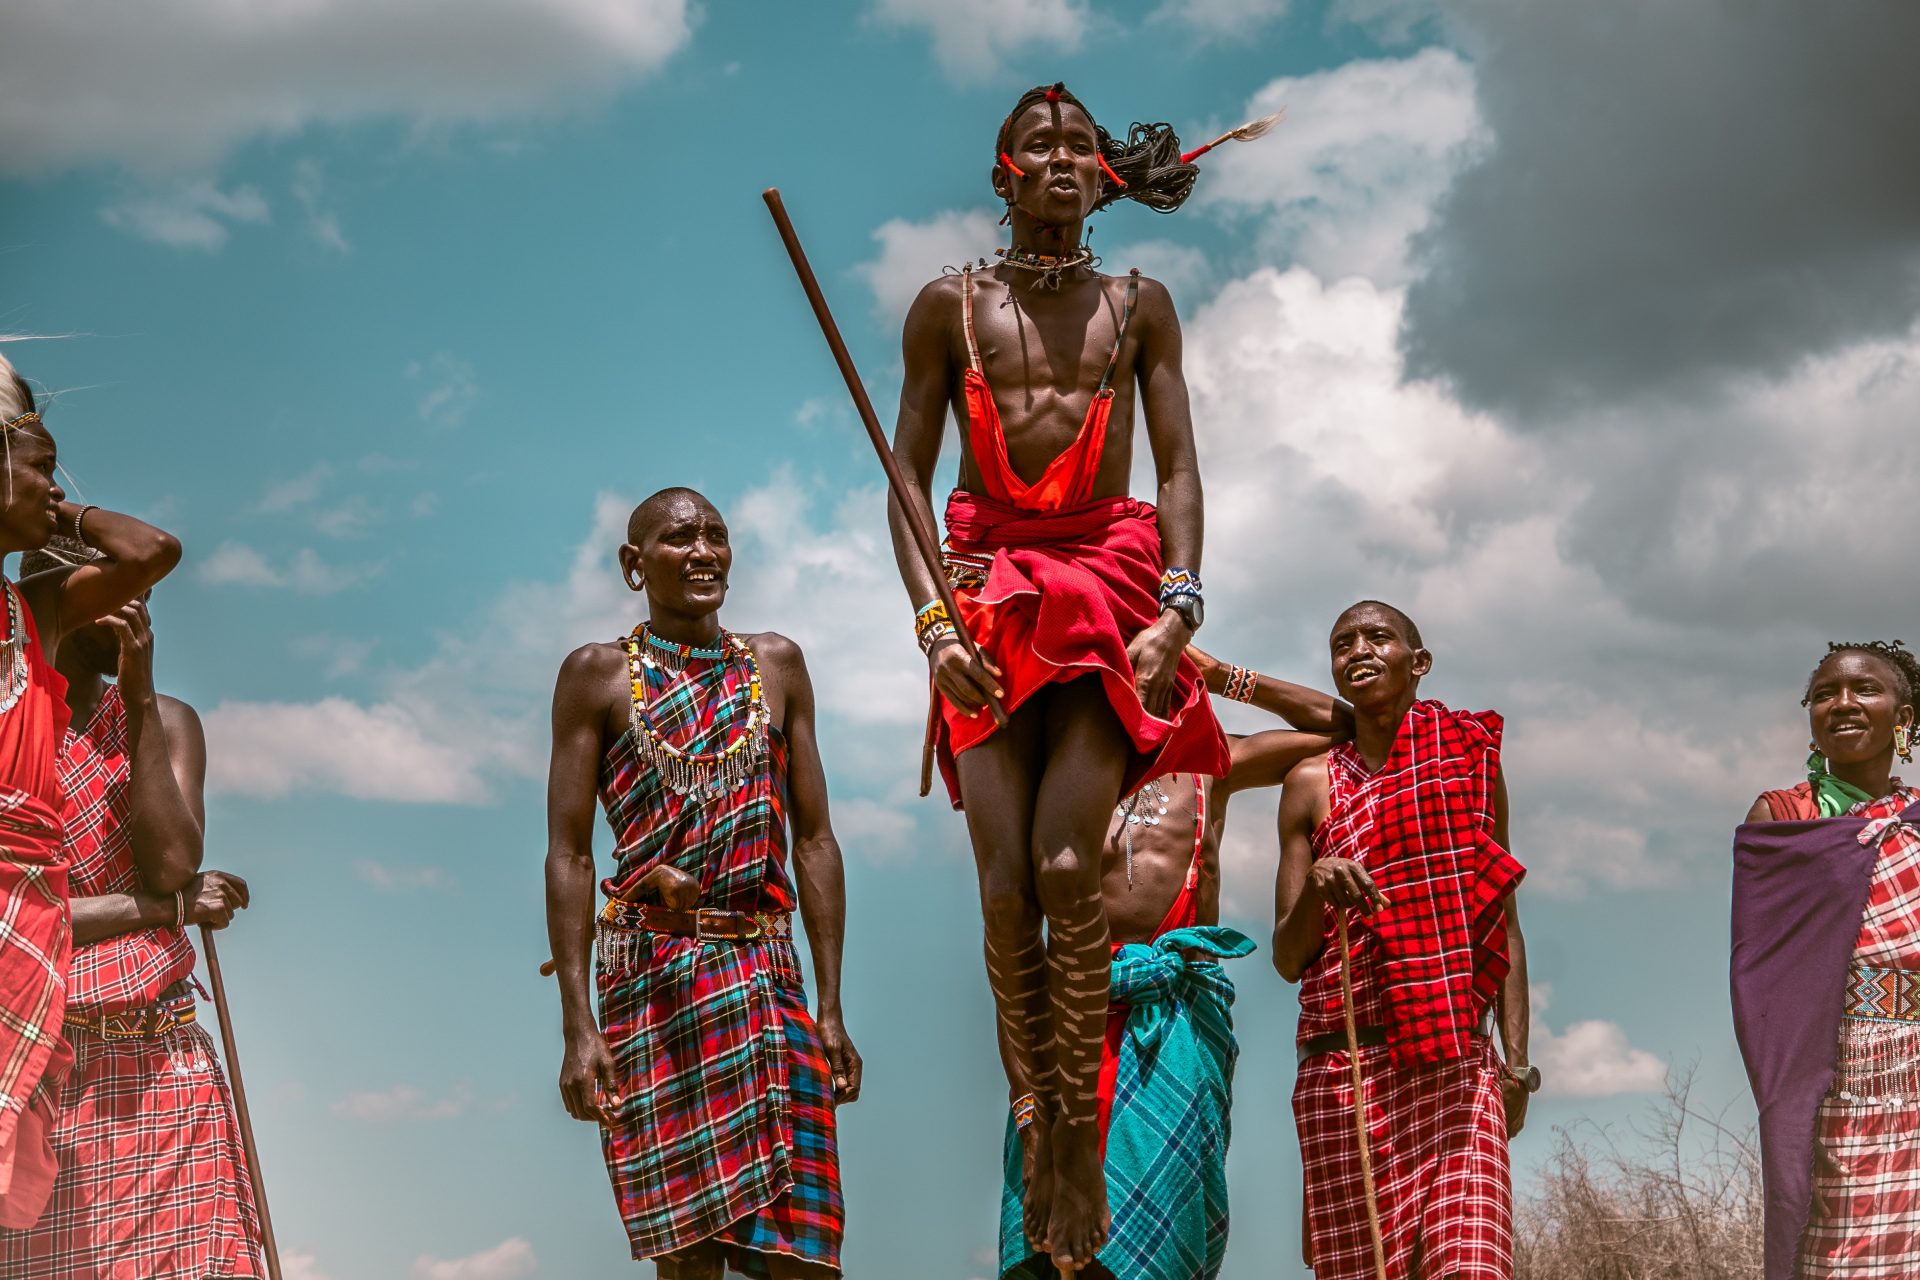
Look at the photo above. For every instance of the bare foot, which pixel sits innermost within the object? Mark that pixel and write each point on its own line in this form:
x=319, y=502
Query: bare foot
x=1036, y=1174
x=1078, y=1228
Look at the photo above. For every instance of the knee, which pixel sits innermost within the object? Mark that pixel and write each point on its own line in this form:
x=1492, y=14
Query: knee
x=1066, y=876
x=1007, y=901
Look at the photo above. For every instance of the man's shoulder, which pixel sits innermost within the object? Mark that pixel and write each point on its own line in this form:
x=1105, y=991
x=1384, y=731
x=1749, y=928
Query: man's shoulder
x=594, y=660
x=175, y=710
x=1309, y=775
x=775, y=650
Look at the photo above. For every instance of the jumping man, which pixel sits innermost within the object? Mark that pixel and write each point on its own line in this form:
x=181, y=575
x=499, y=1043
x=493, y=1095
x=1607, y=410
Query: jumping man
x=714, y=1086
x=1405, y=829
x=1082, y=599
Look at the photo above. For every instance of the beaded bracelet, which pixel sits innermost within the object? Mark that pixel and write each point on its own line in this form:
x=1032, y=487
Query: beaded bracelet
x=79, y=522
x=932, y=614
x=1025, y=1110
x=1178, y=582
x=1241, y=683
x=179, y=908
x=934, y=635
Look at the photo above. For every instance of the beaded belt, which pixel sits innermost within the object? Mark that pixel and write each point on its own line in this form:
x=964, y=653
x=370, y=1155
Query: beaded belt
x=966, y=570
x=1883, y=995
x=1372, y=1037
x=175, y=1008
x=704, y=924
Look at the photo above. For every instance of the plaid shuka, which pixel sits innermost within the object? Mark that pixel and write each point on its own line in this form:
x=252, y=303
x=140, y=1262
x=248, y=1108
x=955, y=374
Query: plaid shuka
x=1166, y=1155
x=1427, y=968
x=1423, y=827
x=153, y=1175
x=725, y=1126
x=1865, y=1221
x=36, y=934
x=128, y=970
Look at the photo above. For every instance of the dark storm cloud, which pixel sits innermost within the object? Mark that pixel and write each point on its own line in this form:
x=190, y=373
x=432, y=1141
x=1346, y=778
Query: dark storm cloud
x=1677, y=192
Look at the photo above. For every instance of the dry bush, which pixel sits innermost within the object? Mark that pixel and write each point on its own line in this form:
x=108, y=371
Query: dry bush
x=1677, y=1197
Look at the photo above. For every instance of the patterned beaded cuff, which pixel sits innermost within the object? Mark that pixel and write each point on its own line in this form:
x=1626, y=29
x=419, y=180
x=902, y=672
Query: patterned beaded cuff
x=1024, y=1111
x=1241, y=683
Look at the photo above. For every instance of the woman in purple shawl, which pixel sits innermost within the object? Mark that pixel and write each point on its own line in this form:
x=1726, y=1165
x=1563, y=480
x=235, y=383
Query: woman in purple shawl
x=1826, y=979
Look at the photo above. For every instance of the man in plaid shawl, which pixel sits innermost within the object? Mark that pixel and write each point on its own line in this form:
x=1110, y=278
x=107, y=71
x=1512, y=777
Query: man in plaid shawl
x=714, y=1085
x=1405, y=829
x=153, y=1173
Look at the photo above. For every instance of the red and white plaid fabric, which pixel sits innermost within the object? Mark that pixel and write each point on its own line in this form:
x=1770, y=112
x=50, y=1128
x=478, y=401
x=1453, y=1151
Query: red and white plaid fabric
x=153, y=1177
x=1438, y=1135
x=1422, y=825
x=1865, y=1223
x=129, y=970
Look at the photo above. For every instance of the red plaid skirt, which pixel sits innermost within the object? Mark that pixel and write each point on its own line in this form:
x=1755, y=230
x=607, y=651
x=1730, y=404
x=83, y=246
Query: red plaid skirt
x=1439, y=1140
x=153, y=1178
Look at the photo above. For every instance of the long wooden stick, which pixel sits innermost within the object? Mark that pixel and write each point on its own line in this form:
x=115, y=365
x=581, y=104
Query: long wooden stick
x=902, y=492
x=1360, y=1102
x=240, y=1103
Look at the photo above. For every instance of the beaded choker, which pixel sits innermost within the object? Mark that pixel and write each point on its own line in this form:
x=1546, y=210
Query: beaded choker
x=1048, y=268
x=675, y=656
x=696, y=775
x=13, y=652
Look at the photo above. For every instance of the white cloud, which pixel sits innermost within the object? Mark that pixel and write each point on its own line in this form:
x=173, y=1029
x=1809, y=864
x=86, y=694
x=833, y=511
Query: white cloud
x=323, y=224
x=912, y=253
x=181, y=82
x=235, y=564
x=970, y=41
x=451, y=390
x=1223, y=19
x=391, y=750
x=509, y=1260
x=298, y=1265
x=391, y=879
x=1350, y=177
x=1592, y=1059
x=284, y=495
x=186, y=215
x=403, y=1102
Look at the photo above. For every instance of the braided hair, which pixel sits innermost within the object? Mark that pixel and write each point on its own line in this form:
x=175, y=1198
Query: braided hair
x=1906, y=667
x=1148, y=167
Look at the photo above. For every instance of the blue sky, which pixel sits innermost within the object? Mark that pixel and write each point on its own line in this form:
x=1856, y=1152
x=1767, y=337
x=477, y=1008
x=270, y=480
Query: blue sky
x=390, y=315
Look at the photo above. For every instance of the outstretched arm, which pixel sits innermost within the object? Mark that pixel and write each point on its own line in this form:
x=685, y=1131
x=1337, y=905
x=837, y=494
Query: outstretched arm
x=818, y=871
x=927, y=351
x=1163, y=397
x=1516, y=1003
x=1299, y=706
x=134, y=556
x=587, y=1083
x=1265, y=759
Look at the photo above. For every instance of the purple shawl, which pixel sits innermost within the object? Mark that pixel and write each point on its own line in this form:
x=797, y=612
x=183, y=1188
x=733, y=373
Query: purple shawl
x=1799, y=891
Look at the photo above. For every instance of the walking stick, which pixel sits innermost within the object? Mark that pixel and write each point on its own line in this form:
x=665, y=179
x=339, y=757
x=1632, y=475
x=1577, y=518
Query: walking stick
x=240, y=1103
x=902, y=492
x=1360, y=1102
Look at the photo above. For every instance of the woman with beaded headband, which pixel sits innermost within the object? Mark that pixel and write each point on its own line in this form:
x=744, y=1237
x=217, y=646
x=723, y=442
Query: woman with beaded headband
x=1826, y=978
x=35, y=948
x=1081, y=599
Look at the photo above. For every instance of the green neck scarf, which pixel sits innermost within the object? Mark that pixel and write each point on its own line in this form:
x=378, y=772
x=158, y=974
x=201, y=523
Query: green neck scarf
x=1835, y=796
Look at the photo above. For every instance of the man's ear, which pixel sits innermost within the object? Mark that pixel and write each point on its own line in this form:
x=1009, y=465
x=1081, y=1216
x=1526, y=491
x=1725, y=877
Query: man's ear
x=630, y=571
x=1422, y=662
x=1002, y=182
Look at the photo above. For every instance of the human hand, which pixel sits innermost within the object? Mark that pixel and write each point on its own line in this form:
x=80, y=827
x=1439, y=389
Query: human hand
x=133, y=629
x=1346, y=885
x=676, y=890
x=1514, y=1094
x=1211, y=668
x=843, y=1058
x=588, y=1089
x=1155, y=655
x=964, y=681
x=213, y=896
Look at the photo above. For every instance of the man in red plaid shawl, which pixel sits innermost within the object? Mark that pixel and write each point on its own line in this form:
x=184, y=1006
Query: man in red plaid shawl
x=153, y=1174
x=1405, y=829
x=714, y=1086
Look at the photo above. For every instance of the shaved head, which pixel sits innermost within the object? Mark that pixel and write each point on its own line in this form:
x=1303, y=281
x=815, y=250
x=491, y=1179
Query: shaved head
x=1402, y=623
x=647, y=516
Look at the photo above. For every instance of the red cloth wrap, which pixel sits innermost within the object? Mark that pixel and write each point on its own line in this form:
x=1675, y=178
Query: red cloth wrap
x=1065, y=594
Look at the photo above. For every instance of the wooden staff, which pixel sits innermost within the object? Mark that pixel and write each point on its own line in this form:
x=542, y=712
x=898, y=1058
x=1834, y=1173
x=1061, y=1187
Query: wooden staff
x=240, y=1103
x=1360, y=1102
x=903, y=493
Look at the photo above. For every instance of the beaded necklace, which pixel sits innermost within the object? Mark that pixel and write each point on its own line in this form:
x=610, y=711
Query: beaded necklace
x=13, y=652
x=1048, y=268
x=698, y=775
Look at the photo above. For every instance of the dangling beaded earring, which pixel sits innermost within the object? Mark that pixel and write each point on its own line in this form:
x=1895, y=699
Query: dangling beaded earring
x=1903, y=743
